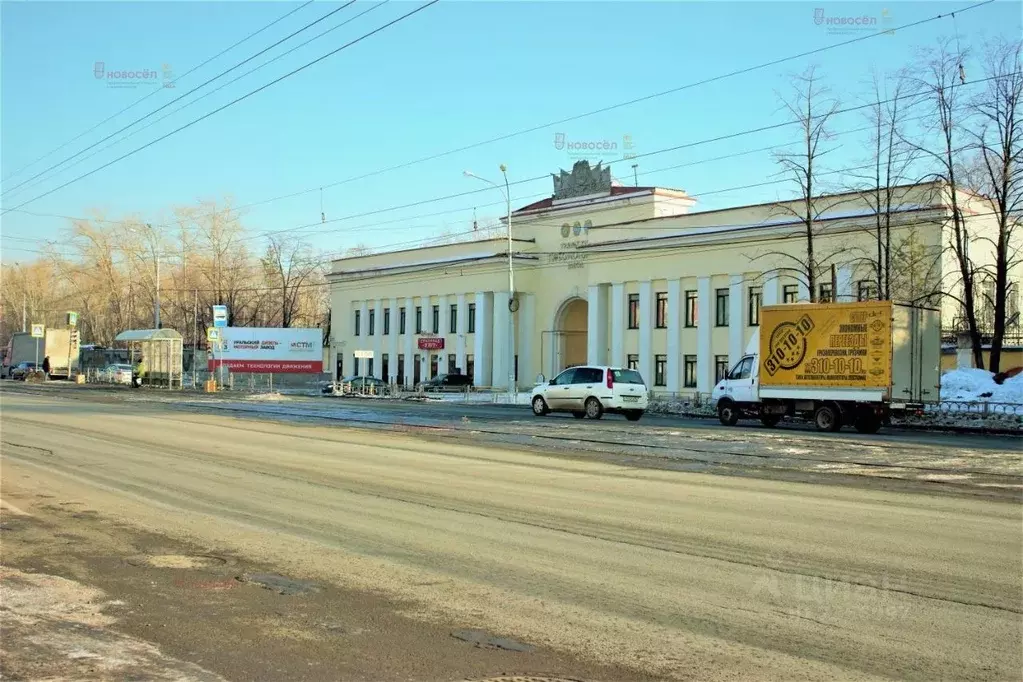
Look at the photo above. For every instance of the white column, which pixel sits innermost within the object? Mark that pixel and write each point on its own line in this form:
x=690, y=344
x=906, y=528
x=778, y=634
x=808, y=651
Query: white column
x=704, y=361
x=844, y=275
x=674, y=322
x=596, y=325
x=462, y=320
x=378, y=341
x=770, y=289
x=392, y=343
x=502, y=318
x=736, y=321
x=409, y=341
x=526, y=324
x=483, y=347
x=617, y=325
x=362, y=342
x=442, y=301
x=646, y=331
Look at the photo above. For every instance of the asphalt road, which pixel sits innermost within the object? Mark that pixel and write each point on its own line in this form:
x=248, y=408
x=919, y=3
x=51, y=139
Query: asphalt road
x=666, y=574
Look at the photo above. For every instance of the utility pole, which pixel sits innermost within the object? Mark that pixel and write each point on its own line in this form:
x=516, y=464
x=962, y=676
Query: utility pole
x=24, y=313
x=195, y=334
x=635, y=175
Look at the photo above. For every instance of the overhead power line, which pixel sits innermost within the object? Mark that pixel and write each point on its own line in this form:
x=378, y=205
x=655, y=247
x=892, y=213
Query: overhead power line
x=145, y=97
x=207, y=94
x=749, y=69
x=180, y=97
x=236, y=101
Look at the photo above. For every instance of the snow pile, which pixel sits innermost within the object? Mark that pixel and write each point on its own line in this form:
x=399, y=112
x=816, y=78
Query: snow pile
x=267, y=397
x=978, y=385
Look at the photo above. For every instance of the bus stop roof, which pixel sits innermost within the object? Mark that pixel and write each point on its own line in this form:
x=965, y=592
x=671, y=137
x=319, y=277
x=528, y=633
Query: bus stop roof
x=148, y=335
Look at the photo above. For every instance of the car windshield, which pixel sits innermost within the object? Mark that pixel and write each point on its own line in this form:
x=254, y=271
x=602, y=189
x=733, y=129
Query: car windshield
x=626, y=376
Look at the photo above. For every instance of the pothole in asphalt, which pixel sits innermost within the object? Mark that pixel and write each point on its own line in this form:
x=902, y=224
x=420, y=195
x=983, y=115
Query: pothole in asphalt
x=485, y=640
x=178, y=561
x=280, y=584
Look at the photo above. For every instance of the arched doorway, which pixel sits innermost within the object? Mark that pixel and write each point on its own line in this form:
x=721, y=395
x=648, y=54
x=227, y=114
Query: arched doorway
x=570, y=327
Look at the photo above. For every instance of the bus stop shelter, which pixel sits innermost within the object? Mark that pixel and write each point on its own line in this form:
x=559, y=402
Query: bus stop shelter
x=160, y=351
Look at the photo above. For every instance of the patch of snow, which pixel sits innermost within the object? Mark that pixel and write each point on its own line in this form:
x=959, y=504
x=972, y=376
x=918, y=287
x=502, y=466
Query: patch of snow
x=271, y=397
x=978, y=385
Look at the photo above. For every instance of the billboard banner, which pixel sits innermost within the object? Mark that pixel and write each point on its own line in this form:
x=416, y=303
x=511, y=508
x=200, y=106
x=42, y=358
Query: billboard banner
x=269, y=349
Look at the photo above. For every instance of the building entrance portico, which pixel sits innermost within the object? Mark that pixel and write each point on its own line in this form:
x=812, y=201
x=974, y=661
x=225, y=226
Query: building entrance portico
x=567, y=342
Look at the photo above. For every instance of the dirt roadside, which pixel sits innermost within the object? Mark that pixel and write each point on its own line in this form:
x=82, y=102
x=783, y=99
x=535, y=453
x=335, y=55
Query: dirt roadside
x=86, y=598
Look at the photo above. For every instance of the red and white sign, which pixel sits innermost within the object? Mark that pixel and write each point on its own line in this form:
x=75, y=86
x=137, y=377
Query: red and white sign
x=431, y=343
x=269, y=349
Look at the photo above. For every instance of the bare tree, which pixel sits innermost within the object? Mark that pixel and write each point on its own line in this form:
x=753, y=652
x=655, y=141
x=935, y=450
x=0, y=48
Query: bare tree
x=938, y=80
x=289, y=264
x=998, y=140
x=812, y=109
x=889, y=167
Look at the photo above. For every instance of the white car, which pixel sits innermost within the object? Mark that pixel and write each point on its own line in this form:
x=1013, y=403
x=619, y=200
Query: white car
x=591, y=392
x=116, y=374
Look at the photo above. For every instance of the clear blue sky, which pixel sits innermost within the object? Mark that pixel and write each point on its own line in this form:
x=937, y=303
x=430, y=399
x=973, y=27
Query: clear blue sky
x=452, y=75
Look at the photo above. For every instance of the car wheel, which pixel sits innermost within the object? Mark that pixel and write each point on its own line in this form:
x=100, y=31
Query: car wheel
x=594, y=410
x=634, y=415
x=728, y=413
x=827, y=418
x=540, y=406
x=770, y=420
x=579, y=415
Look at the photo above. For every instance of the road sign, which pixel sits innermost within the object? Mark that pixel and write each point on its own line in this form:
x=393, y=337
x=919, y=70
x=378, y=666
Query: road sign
x=364, y=354
x=212, y=334
x=38, y=331
x=220, y=316
x=72, y=319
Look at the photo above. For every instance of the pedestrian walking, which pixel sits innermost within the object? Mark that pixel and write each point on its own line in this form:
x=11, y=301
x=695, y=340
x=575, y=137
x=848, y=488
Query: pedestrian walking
x=46, y=366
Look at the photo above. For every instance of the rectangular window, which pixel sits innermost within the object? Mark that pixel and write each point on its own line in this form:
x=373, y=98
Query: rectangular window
x=419, y=319
x=384, y=369
x=866, y=290
x=661, y=320
x=401, y=322
x=472, y=319
x=826, y=293
x=756, y=299
x=633, y=362
x=417, y=369
x=400, y=379
x=516, y=368
x=721, y=307
x=452, y=367
x=369, y=367
x=435, y=326
x=660, y=370
x=790, y=293
x=633, y=311
x=470, y=366
x=434, y=365
x=358, y=322
x=689, y=371
x=387, y=321
x=720, y=367
x=355, y=366
x=372, y=321
x=453, y=318
x=692, y=309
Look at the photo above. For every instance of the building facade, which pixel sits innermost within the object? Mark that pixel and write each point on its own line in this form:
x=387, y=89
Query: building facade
x=627, y=276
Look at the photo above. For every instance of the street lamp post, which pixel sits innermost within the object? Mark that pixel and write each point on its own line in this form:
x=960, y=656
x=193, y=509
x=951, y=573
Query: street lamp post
x=512, y=307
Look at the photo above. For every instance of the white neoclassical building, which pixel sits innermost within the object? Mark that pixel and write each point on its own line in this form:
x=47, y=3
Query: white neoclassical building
x=628, y=276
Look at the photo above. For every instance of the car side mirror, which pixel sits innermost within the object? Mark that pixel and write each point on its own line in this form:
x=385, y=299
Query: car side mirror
x=551, y=382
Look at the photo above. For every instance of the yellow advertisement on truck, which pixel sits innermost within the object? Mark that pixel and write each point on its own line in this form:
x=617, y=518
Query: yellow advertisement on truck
x=835, y=364
x=834, y=345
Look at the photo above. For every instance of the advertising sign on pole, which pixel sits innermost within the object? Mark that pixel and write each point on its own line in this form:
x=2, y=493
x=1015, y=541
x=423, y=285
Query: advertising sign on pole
x=72, y=319
x=270, y=350
x=220, y=316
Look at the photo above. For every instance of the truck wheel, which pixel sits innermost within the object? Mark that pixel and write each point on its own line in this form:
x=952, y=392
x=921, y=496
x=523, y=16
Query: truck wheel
x=868, y=423
x=770, y=420
x=728, y=413
x=827, y=418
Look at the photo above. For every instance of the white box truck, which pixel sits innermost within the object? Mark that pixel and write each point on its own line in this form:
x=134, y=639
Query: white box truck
x=63, y=348
x=21, y=348
x=835, y=364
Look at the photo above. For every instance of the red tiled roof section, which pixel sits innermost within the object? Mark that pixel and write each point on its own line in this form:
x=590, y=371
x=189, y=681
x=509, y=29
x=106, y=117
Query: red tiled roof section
x=615, y=191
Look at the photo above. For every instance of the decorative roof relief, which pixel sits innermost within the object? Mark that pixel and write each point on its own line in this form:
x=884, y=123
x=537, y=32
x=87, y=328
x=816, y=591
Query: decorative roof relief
x=583, y=180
